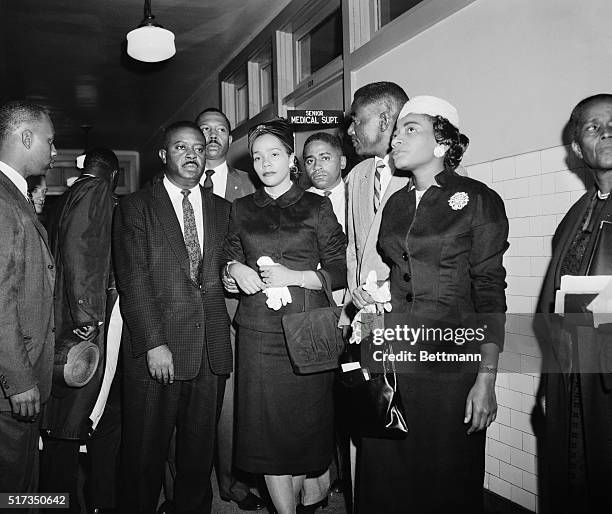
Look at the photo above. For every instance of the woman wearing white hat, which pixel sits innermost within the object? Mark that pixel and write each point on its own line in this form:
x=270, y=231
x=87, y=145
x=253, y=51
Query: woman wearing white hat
x=444, y=236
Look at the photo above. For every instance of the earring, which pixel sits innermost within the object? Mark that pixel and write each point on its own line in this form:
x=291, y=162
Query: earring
x=439, y=151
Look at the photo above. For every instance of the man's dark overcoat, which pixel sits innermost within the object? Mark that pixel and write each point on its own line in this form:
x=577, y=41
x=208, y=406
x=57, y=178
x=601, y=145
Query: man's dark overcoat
x=80, y=237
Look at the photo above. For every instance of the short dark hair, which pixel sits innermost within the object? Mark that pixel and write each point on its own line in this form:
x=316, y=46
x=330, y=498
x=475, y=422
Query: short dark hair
x=392, y=95
x=34, y=181
x=173, y=127
x=445, y=133
x=576, y=116
x=217, y=111
x=16, y=112
x=324, y=137
x=101, y=158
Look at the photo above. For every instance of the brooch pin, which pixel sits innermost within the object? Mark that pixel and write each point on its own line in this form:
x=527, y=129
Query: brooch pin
x=458, y=201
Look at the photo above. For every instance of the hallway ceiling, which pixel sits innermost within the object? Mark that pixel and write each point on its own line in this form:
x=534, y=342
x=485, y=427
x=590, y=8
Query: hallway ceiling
x=70, y=57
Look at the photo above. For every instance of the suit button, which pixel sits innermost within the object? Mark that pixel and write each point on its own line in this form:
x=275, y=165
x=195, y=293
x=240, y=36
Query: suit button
x=53, y=330
x=409, y=297
x=50, y=266
x=407, y=277
x=197, y=325
x=405, y=256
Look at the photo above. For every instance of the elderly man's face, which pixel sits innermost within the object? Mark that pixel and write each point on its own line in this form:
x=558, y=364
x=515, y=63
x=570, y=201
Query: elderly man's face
x=365, y=130
x=593, y=137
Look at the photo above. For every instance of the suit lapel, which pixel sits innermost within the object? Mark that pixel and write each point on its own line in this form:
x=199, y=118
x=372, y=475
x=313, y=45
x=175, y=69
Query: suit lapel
x=167, y=217
x=26, y=207
x=232, y=188
x=366, y=197
x=210, y=227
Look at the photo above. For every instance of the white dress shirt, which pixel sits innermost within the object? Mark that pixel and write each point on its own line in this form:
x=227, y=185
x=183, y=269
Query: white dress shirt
x=338, y=200
x=15, y=178
x=219, y=179
x=176, y=197
x=385, y=174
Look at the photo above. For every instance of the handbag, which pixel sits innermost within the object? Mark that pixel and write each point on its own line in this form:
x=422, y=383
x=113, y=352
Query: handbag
x=373, y=403
x=314, y=340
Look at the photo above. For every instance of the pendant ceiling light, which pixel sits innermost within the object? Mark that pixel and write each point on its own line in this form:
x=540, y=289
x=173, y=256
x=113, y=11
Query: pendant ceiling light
x=150, y=42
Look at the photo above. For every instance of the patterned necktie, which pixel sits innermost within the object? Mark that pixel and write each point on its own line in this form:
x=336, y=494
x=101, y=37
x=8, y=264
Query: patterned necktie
x=208, y=183
x=191, y=238
x=379, y=167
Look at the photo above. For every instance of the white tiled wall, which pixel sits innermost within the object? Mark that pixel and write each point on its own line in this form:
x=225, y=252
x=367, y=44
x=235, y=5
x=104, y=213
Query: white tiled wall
x=537, y=188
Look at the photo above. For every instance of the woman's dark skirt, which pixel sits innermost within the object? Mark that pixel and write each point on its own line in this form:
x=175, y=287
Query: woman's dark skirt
x=438, y=468
x=284, y=421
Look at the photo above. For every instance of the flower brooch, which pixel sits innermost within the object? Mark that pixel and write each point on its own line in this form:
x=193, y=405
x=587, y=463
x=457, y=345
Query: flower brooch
x=458, y=201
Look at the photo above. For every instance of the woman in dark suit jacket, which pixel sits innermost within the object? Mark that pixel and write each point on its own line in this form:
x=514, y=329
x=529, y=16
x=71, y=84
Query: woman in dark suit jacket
x=284, y=420
x=444, y=236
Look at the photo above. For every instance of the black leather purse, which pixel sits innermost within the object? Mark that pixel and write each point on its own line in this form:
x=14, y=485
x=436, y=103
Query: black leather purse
x=314, y=340
x=373, y=403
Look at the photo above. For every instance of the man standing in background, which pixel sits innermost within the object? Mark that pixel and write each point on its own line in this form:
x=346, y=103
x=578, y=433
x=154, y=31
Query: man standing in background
x=231, y=184
x=370, y=184
x=80, y=237
x=27, y=277
x=324, y=162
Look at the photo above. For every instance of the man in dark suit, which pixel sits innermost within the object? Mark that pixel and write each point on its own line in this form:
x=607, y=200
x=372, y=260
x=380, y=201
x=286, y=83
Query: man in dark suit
x=167, y=250
x=80, y=237
x=27, y=277
x=229, y=183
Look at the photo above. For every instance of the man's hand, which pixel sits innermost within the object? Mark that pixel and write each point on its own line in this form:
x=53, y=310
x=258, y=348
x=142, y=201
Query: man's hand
x=86, y=332
x=26, y=405
x=361, y=297
x=161, y=366
x=247, y=278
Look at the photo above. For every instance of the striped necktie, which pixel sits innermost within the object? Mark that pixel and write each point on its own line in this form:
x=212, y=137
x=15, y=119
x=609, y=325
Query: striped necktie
x=379, y=167
x=190, y=233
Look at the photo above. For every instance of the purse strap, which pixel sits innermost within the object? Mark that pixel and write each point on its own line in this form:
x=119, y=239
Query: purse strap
x=326, y=286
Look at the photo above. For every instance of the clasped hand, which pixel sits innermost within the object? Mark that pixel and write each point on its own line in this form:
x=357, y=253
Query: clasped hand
x=277, y=275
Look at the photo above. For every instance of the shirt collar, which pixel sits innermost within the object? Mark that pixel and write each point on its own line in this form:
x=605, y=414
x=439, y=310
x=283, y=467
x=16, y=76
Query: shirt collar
x=337, y=189
x=384, y=160
x=440, y=179
x=175, y=190
x=15, y=177
x=221, y=168
x=262, y=198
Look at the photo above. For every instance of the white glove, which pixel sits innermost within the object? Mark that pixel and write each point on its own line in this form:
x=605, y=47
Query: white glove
x=277, y=296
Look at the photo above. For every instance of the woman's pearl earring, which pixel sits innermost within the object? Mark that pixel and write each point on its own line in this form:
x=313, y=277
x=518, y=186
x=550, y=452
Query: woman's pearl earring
x=439, y=151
